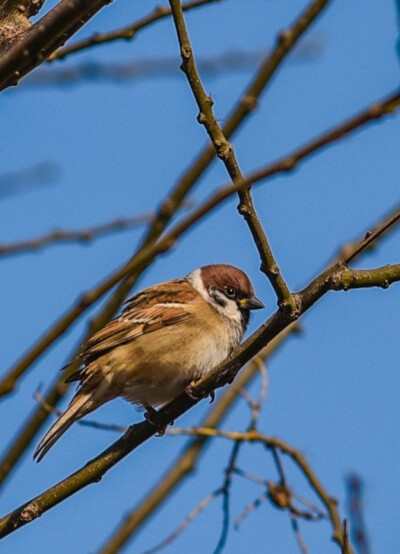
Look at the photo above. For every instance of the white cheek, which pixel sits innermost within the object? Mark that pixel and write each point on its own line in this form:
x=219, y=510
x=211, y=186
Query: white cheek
x=196, y=281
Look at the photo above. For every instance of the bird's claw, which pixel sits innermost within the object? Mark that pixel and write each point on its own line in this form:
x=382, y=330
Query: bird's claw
x=189, y=392
x=149, y=415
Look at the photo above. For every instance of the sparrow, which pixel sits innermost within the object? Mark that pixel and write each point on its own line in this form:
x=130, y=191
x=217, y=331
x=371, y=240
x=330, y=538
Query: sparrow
x=167, y=337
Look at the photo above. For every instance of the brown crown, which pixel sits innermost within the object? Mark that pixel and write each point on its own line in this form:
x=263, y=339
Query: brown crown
x=223, y=275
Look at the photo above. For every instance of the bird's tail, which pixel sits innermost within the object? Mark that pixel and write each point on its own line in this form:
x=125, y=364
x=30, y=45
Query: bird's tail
x=81, y=405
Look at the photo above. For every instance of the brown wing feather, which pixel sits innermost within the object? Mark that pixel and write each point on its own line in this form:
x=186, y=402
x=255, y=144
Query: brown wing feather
x=145, y=312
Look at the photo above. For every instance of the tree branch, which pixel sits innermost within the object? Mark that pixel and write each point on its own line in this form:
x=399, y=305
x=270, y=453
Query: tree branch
x=137, y=434
x=225, y=152
x=147, y=254
x=329, y=502
x=126, y=33
x=64, y=236
x=57, y=390
x=42, y=38
x=185, y=464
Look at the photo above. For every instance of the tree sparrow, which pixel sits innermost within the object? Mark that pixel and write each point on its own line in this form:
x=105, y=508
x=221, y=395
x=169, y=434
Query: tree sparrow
x=168, y=336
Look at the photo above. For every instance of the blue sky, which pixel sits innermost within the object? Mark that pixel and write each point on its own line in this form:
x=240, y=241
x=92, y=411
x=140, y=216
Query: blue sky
x=119, y=147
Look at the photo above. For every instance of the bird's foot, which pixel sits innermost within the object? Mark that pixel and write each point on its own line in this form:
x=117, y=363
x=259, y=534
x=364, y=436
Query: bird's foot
x=151, y=416
x=189, y=392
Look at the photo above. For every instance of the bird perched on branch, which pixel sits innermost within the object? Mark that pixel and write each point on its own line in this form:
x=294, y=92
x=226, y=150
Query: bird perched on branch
x=168, y=336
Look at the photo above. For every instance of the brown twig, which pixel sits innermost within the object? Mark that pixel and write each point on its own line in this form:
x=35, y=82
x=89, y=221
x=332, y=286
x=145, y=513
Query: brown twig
x=65, y=236
x=42, y=38
x=225, y=152
x=126, y=33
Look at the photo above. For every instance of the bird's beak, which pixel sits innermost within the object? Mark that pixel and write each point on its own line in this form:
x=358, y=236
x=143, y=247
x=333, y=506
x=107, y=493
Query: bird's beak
x=251, y=303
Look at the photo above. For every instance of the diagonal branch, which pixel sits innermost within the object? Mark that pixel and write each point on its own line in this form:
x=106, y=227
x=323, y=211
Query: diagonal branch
x=285, y=164
x=126, y=33
x=184, y=466
x=42, y=38
x=225, y=152
x=148, y=253
x=244, y=107
x=220, y=376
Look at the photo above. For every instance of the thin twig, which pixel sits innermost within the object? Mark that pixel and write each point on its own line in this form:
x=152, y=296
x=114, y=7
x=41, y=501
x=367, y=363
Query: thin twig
x=297, y=534
x=126, y=33
x=346, y=542
x=65, y=236
x=225, y=152
x=295, y=455
x=226, y=489
x=186, y=522
x=249, y=509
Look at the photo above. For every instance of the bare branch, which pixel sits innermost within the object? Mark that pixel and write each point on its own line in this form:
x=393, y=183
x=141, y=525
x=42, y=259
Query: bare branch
x=186, y=522
x=225, y=152
x=250, y=508
x=126, y=33
x=147, y=254
x=42, y=38
x=65, y=236
x=374, y=112
x=137, y=434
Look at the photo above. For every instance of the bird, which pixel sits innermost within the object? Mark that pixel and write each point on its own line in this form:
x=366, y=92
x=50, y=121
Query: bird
x=167, y=336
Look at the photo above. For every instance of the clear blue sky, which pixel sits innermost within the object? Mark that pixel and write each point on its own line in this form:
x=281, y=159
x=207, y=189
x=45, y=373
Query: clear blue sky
x=119, y=147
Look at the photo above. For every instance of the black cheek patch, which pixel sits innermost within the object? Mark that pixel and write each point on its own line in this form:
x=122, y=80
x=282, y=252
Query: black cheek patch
x=218, y=298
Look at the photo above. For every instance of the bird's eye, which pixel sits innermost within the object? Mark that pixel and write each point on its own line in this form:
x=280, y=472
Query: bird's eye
x=230, y=292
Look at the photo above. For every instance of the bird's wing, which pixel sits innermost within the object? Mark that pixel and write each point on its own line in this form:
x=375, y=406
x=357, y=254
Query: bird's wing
x=149, y=310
